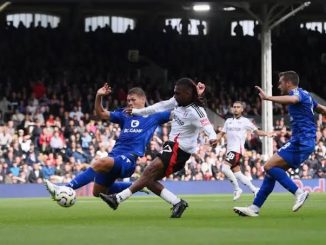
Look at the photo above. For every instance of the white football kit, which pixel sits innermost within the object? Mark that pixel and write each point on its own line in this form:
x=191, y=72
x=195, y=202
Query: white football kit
x=236, y=131
x=187, y=122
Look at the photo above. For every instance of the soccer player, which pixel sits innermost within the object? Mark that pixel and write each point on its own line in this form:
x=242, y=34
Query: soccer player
x=296, y=150
x=136, y=132
x=188, y=118
x=236, y=129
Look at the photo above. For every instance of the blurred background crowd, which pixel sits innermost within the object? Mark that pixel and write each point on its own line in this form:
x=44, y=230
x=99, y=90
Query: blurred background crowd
x=48, y=129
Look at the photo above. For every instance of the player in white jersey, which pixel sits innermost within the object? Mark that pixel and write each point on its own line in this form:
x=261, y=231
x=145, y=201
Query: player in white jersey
x=236, y=130
x=188, y=118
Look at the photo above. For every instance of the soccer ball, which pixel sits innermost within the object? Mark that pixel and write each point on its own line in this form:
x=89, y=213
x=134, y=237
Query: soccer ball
x=65, y=196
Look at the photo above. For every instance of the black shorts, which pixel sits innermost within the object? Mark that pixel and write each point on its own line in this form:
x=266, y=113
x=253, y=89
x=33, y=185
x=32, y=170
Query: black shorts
x=174, y=159
x=233, y=158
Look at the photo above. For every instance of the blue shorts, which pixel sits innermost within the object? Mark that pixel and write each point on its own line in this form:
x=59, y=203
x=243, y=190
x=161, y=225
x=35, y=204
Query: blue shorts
x=124, y=167
x=296, y=152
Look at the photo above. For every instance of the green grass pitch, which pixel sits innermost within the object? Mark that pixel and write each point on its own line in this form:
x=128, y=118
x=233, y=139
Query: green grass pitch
x=145, y=220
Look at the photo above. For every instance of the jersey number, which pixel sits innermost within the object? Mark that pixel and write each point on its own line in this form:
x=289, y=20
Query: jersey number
x=286, y=146
x=230, y=156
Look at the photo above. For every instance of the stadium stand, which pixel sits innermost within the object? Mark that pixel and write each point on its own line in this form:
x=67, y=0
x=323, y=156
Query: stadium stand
x=49, y=76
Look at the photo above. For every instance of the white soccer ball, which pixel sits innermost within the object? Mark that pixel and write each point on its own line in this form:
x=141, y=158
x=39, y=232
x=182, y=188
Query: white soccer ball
x=65, y=196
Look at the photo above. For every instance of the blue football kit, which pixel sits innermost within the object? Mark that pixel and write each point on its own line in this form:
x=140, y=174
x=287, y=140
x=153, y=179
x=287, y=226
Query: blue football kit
x=136, y=132
x=296, y=150
x=303, y=125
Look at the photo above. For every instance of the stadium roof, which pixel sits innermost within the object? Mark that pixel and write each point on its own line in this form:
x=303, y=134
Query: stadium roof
x=316, y=10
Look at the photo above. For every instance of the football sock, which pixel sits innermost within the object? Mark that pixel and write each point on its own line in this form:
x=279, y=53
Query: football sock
x=82, y=179
x=245, y=180
x=254, y=208
x=123, y=195
x=265, y=189
x=169, y=197
x=281, y=176
x=230, y=175
x=118, y=186
x=298, y=192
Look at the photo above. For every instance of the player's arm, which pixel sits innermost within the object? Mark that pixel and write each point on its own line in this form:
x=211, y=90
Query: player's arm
x=210, y=132
x=321, y=109
x=264, y=133
x=284, y=99
x=204, y=123
x=165, y=105
x=99, y=109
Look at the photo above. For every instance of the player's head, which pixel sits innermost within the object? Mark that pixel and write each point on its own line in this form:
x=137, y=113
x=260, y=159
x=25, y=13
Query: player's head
x=136, y=98
x=237, y=108
x=287, y=81
x=185, y=92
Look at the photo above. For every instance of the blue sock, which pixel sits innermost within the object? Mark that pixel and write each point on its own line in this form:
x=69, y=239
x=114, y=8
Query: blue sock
x=117, y=187
x=265, y=189
x=281, y=176
x=82, y=179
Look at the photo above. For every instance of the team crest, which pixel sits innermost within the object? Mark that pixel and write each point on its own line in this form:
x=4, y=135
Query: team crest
x=134, y=123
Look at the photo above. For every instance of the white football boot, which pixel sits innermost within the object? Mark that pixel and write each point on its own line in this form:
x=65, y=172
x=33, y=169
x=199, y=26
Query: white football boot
x=245, y=211
x=52, y=189
x=300, y=199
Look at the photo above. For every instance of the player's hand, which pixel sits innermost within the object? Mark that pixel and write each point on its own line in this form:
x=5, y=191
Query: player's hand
x=200, y=88
x=271, y=134
x=262, y=93
x=128, y=110
x=105, y=90
x=213, y=143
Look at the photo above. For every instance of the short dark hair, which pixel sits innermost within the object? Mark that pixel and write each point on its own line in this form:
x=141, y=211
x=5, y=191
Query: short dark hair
x=137, y=91
x=189, y=83
x=238, y=102
x=290, y=76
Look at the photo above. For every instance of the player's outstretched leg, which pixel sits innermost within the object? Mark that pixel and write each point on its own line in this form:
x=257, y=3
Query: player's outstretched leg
x=226, y=169
x=246, y=181
x=110, y=200
x=256, y=191
x=51, y=188
x=178, y=209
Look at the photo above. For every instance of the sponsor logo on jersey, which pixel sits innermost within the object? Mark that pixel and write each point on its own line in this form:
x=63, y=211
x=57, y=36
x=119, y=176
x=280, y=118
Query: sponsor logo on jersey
x=233, y=129
x=133, y=130
x=178, y=120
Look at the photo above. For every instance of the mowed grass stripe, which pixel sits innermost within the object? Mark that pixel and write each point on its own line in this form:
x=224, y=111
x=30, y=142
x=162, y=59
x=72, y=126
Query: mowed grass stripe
x=145, y=220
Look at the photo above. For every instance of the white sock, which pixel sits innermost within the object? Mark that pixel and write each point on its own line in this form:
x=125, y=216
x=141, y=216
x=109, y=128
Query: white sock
x=298, y=192
x=245, y=180
x=229, y=174
x=254, y=208
x=169, y=197
x=124, y=195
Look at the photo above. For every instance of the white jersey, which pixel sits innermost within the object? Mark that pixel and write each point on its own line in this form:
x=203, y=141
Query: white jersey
x=236, y=131
x=187, y=122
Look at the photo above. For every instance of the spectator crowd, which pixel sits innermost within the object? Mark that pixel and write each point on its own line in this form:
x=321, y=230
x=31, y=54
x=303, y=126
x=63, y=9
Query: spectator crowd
x=49, y=77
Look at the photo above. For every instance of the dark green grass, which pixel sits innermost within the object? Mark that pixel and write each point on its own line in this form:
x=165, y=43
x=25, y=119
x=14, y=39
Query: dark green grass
x=145, y=220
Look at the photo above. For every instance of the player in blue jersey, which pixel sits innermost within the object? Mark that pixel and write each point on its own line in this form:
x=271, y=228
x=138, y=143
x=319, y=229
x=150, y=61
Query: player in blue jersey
x=188, y=119
x=136, y=132
x=296, y=150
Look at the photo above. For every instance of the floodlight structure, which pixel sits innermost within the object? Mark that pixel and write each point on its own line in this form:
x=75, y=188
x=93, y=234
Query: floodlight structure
x=270, y=18
x=4, y=5
x=201, y=7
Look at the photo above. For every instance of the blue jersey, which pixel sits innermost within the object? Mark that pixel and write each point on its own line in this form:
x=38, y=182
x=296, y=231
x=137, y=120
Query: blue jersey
x=136, y=131
x=302, y=116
